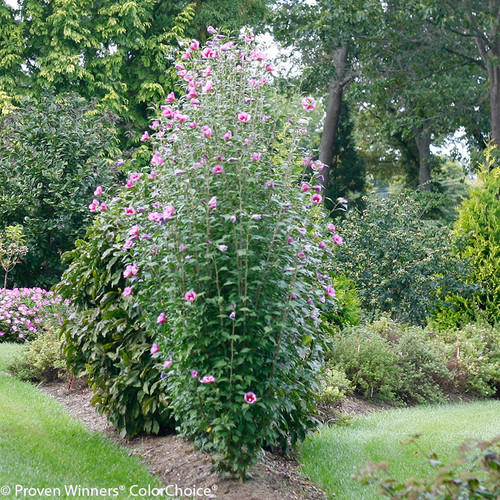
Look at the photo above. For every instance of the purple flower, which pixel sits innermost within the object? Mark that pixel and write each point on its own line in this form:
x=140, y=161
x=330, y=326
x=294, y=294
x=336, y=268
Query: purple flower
x=308, y=103
x=154, y=349
x=207, y=379
x=212, y=203
x=127, y=291
x=190, y=296
x=167, y=363
x=329, y=291
x=232, y=316
x=161, y=318
x=222, y=248
x=98, y=191
x=217, y=169
x=195, y=373
x=250, y=398
x=337, y=239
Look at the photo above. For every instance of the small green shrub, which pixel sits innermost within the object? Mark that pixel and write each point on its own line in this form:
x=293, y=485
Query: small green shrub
x=369, y=362
x=335, y=386
x=424, y=373
x=473, y=354
x=474, y=475
x=12, y=249
x=393, y=363
x=41, y=360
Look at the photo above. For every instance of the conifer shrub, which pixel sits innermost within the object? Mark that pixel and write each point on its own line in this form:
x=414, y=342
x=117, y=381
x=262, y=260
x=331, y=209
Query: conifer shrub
x=477, y=233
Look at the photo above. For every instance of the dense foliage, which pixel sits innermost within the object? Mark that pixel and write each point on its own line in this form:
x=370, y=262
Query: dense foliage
x=477, y=230
x=222, y=251
x=53, y=152
x=401, y=263
x=41, y=360
x=397, y=364
x=105, y=339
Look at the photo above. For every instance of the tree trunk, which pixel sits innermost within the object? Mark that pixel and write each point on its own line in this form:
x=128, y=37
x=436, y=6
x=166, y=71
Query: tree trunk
x=423, y=141
x=494, y=78
x=330, y=128
x=494, y=73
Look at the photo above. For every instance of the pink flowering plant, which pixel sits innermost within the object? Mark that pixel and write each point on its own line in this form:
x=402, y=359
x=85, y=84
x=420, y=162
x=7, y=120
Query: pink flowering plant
x=25, y=312
x=224, y=254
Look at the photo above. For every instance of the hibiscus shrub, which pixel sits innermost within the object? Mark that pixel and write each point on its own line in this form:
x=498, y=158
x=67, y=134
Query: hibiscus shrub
x=104, y=338
x=225, y=250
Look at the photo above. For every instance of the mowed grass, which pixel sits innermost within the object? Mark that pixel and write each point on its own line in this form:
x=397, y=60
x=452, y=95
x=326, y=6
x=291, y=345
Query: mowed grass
x=331, y=455
x=42, y=446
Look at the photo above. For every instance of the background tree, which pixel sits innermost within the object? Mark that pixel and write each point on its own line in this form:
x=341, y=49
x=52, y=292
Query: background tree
x=53, y=152
x=328, y=34
x=120, y=53
x=469, y=29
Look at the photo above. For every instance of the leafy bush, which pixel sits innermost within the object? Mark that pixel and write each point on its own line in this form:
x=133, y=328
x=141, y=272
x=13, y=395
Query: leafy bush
x=222, y=257
x=393, y=363
x=473, y=354
x=424, y=373
x=369, y=362
x=41, y=360
x=24, y=312
x=474, y=475
x=477, y=231
x=53, y=152
x=104, y=337
x=335, y=387
x=400, y=263
x=401, y=364
x=346, y=310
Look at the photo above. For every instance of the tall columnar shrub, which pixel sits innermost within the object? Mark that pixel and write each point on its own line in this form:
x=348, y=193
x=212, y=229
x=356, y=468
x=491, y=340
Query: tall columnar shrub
x=477, y=230
x=223, y=250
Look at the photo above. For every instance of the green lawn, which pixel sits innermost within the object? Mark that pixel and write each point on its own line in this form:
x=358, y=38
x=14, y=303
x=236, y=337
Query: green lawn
x=42, y=446
x=332, y=455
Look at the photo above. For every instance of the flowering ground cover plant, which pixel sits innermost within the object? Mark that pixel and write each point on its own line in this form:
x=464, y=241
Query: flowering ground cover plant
x=222, y=245
x=25, y=311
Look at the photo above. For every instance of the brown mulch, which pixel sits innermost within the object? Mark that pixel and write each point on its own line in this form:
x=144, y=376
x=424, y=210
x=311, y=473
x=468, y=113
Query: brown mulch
x=176, y=461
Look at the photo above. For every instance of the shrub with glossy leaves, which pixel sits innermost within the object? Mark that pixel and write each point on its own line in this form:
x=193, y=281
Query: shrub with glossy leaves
x=401, y=263
x=225, y=252
x=104, y=337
